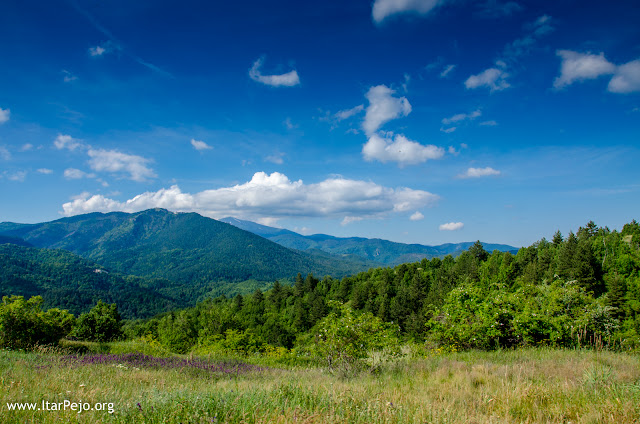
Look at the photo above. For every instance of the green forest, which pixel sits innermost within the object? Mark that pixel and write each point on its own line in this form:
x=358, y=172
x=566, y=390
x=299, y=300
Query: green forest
x=581, y=289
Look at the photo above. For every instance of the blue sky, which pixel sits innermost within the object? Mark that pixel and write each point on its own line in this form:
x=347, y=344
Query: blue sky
x=421, y=121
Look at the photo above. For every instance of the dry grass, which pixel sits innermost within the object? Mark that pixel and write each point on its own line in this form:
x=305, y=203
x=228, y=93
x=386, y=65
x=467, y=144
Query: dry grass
x=523, y=386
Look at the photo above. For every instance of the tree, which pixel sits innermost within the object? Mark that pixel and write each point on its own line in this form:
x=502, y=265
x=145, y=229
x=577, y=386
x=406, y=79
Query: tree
x=101, y=324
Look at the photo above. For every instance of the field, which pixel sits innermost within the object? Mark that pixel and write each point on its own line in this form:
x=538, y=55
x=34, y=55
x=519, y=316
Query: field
x=519, y=386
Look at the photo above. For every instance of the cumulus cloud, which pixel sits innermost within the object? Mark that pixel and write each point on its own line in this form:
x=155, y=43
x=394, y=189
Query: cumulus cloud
x=448, y=130
x=341, y=115
x=416, y=216
x=383, y=107
x=45, y=171
x=277, y=158
x=289, y=79
x=113, y=161
x=383, y=9
x=479, y=172
x=270, y=195
x=97, y=51
x=451, y=226
x=493, y=78
x=5, y=114
x=398, y=148
x=64, y=141
x=462, y=117
x=626, y=78
x=76, y=174
x=200, y=145
x=581, y=66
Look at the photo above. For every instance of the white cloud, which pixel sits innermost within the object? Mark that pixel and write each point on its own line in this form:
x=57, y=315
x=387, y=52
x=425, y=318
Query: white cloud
x=63, y=141
x=416, y=216
x=200, y=145
x=4, y=153
x=451, y=226
x=5, y=114
x=276, y=158
x=448, y=130
x=289, y=124
x=382, y=9
x=18, y=176
x=447, y=70
x=45, y=171
x=97, y=51
x=581, y=66
x=68, y=76
x=462, y=117
x=383, y=107
x=493, y=78
x=349, y=219
x=273, y=196
x=76, y=174
x=479, y=172
x=26, y=147
x=341, y=115
x=289, y=79
x=386, y=148
x=626, y=78
x=452, y=151
x=491, y=123
x=117, y=162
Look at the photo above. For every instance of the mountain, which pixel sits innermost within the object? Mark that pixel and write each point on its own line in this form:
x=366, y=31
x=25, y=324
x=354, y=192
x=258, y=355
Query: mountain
x=67, y=281
x=380, y=251
x=181, y=247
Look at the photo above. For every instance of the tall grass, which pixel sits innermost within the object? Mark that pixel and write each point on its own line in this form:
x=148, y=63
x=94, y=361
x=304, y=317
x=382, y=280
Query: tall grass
x=517, y=386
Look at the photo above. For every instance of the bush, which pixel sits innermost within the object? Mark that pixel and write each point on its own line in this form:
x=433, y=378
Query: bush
x=101, y=324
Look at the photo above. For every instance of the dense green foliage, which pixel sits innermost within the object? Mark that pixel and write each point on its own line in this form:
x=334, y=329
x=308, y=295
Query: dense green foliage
x=182, y=247
x=580, y=290
x=377, y=251
x=24, y=324
x=101, y=324
x=67, y=281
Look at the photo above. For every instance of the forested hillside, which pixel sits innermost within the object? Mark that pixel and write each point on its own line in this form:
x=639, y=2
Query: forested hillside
x=67, y=281
x=575, y=290
x=381, y=252
x=182, y=247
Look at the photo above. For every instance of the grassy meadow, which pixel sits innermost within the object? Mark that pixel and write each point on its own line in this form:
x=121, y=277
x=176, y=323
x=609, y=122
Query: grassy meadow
x=508, y=386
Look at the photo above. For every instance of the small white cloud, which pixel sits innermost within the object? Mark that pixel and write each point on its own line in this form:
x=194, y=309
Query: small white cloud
x=349, y=219
x=288, y=79
x=416, y=216
x=200, y=145
x=5, y=114
x=277, y=158
x=581, y=66
x=63, y=141
x=68, y=76
x=341, y=115
x=493, y=78
x=45, y=171
x=462, y=117
x=18, y=176
x=383, y=107
x=289, y=124
x=383, y=9
x=626, y=78
x=452, y=151
x=120, y=163
x=26, y=147
x=4, y=153
x=451, y=226
x=448, y=130
x=97, y=51
x=447, y=70
x=399, y=149
x=491, y=123
x=479, y=172
x=76, y=174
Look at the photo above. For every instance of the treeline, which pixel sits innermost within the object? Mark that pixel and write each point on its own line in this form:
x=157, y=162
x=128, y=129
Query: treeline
x=24, y=324
x=576, y=290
